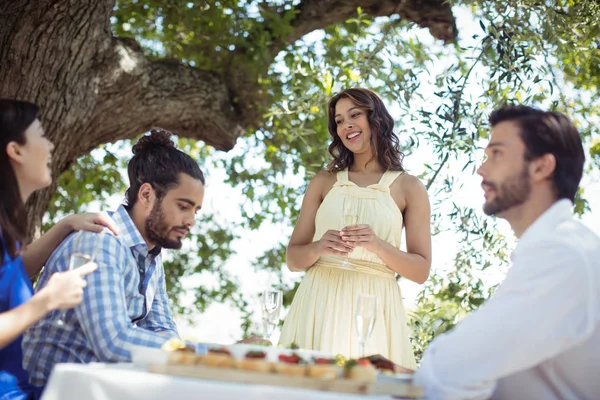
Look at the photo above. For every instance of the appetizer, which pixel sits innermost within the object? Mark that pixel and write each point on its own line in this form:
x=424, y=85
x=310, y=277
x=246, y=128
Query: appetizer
x=324, y=368
x=386, y=366
x=180, y=352
x=381, y=363
x=291, y=365
x=219, y=357
x=360, y=370
x=255, y=361
x=174, y=344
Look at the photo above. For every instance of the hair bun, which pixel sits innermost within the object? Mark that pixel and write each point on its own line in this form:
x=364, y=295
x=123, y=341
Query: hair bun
x=156, y=138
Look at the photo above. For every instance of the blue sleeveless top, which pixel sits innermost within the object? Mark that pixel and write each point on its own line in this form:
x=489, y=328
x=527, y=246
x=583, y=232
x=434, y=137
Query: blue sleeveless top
x=15, y=289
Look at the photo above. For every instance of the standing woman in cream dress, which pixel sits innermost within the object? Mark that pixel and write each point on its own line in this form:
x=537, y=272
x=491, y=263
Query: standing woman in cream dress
x=365, y=178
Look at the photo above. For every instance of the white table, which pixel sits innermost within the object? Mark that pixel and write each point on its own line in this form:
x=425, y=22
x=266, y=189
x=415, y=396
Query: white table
x=126, y=382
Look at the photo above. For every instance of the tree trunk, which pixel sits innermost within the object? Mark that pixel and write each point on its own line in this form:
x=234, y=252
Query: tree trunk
x=93, y=88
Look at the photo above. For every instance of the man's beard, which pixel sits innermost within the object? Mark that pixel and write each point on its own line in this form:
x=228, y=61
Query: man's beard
x=158, y=230
x=513, y=192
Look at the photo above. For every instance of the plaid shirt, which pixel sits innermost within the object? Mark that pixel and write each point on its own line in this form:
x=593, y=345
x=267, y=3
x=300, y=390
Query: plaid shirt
x=124, y=304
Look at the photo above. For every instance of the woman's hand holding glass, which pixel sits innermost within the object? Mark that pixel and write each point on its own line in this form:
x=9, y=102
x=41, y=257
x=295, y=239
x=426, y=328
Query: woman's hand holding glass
x=79, y=262
x=332, y=244
x=64, y=290
x=361, y=235
x=347, y=220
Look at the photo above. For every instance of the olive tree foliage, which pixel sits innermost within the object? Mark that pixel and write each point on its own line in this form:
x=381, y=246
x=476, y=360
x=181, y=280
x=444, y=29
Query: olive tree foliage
x=534, y=53
x=440, y=91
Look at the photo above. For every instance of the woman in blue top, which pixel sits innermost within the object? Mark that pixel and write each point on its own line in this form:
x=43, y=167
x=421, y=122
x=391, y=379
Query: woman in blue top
x=25, y=156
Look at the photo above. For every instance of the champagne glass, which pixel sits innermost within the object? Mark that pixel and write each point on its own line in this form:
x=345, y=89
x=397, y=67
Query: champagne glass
x=75, y=261
x=366, y=311
x=271, y=309
x=348, y=220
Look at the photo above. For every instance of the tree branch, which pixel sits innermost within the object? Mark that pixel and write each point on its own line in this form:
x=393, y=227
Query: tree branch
x=317, y=14
x=312, y=15
x=140, y=94
x=456, y=111
x=93, y=88
x=437, y=171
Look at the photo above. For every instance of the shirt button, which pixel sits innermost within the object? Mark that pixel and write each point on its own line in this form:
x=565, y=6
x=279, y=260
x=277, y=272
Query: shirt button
x=141, y=269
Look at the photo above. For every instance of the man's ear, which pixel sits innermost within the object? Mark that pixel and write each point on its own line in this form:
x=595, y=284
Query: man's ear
x=14, y=153
x=543, y=167
x=146, y=195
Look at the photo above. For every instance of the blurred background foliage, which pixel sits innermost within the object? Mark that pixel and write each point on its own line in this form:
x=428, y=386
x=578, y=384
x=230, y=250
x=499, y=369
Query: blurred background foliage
x=539, y=53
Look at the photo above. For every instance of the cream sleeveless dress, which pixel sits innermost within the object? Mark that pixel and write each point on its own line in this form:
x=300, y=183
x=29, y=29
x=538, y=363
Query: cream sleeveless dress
x=321, y=316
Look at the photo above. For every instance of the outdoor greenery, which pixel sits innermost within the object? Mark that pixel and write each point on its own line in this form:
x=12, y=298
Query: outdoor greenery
x=534, y=52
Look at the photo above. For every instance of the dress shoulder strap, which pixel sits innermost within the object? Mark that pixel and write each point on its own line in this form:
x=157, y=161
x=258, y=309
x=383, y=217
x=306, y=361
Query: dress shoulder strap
x=342, y=175
x=389, y=177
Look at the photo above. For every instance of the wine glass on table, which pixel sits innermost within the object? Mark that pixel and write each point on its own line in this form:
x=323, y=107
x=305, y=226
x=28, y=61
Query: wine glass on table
x=271, y=309
x=77, y=260
x=348, y=220
x=365, y=314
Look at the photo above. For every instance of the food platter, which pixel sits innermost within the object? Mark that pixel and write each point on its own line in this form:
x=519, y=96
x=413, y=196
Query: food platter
x=294, y=368
x=402, y=389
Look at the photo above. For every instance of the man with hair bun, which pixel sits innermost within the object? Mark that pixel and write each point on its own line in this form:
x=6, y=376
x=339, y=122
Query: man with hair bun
x=125, y=302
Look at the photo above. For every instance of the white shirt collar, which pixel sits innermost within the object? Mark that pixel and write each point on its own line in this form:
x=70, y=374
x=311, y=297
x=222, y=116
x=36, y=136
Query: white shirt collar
x=557, y=213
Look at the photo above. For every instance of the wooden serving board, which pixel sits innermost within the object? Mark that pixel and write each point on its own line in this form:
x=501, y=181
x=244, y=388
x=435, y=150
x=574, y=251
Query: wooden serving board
x=400, y=389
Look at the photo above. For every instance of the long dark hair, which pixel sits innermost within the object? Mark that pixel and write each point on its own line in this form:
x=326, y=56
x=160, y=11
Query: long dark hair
x=383, y=140
x=15, y=117
x=158, y=162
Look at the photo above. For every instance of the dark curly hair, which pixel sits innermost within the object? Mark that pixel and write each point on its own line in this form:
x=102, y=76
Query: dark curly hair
x=158, y=162
x=383, y=139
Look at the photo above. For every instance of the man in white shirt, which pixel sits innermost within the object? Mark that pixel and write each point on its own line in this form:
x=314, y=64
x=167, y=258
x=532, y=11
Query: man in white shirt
x=538, y=336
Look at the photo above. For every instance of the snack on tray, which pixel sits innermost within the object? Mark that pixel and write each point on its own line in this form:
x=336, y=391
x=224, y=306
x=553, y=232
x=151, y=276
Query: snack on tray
x=255, y=361
x=174, y=344
x=291, y=365
x=382, y=364
x=180, y=352
x=360, y=370
x=340, y=359
x=324, y=368
x=220, y=358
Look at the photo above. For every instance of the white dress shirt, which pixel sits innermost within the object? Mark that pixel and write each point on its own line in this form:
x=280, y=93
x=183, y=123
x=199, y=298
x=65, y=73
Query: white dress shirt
x=538, y=336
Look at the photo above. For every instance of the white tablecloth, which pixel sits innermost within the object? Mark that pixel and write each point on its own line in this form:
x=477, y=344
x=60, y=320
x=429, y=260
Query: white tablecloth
x=125, y=382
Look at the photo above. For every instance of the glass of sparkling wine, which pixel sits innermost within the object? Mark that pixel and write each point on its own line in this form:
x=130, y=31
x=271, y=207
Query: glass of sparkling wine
x=77, y=260
x=348, y=220
x=366, y=311
x=271, y=309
